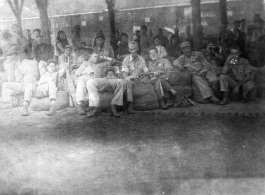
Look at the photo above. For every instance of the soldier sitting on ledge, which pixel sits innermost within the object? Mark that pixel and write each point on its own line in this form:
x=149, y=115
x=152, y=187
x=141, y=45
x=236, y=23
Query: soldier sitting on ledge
x=236, y=78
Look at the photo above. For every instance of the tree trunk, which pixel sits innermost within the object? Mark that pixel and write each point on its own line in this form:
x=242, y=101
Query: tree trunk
x=19, y=23
x=17, y=9
x=111, y=6
x=112, y=21
x=42, y=6
x=223, y=12
x=196, y=21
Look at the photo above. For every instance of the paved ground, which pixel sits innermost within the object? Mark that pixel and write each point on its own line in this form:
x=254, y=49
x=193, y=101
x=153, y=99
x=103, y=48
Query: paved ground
x=148, y=153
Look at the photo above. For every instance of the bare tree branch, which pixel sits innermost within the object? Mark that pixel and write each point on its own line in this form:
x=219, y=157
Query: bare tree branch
x=21, y=6
x=13, y=8
x=17, y=6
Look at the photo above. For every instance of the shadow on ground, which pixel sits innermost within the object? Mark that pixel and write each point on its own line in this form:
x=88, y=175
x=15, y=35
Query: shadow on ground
x=137, y=154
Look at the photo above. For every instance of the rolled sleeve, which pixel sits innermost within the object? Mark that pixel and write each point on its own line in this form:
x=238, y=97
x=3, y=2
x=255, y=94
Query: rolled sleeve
x=179, y=63
x=247, y=68
x=125, y=67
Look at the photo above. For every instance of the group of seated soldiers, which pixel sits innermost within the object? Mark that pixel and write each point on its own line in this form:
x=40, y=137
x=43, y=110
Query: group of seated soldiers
x=101, y=73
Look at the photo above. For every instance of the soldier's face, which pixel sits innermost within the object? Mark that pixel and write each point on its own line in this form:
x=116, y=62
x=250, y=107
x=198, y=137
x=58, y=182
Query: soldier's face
x=68, y=51
x=111, y=74
x=157, y=42
x=175, y=41
x=15, y=29
x=36, y=34
x=124, y=39
x=62, y=35
x=39, y=40
x=133, y=51
x=235, y=52
x=187, y=51
x=51, y=67
x=153, y=54
x=99, y=41
x=94, y=58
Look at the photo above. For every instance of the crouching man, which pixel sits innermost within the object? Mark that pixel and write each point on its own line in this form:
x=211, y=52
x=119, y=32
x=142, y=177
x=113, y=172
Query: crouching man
x=236, y=75
x=108, y=84
x=196, y=65
x=47, y=86
x=26, y=79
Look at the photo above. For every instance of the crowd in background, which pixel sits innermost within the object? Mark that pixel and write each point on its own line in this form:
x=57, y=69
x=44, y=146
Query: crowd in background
x=215, y=69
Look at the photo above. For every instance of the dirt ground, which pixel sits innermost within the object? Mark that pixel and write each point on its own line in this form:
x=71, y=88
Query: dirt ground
x=141, y=154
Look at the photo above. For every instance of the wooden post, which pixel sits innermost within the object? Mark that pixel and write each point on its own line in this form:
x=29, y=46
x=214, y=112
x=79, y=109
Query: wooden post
x=111, y=6
x=42, y=6
x=223, y=13
x=196, y=21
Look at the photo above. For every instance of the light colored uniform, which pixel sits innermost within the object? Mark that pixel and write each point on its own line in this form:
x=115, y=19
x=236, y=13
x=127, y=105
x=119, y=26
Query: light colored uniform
x=236, y=74
x=161, y=51
x=47, y=85
x=133, y=67
x=194, y=65
x=26, y=78
x=13, y=50
x=116, y=86
x=99, y=72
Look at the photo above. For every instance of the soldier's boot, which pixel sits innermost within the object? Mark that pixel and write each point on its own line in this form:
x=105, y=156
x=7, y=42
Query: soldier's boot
x=162, y=104
x=53, y=109
x=93, y=113
x=24, y=111
x=80, y=109
x=130, y=108
x=114, y=111
x=225, y=100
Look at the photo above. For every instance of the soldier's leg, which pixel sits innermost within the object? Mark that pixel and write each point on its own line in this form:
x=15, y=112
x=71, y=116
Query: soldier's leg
x=52, y=90
x=9, y=89
x=226, y=82
x=93, y=87
x=202, y=84
x=28, y=91
x=9, y=66
x=117, y=87
x=249, y=91
x=128, y=87
x=80, y=90
x=128, y=84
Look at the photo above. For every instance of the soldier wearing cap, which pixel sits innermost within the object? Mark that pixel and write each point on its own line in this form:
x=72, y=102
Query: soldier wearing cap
x=101, y=47
x=164, y=40
x=196, y=65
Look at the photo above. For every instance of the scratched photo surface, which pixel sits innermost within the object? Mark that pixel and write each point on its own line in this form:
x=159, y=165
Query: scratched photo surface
x=132, y=97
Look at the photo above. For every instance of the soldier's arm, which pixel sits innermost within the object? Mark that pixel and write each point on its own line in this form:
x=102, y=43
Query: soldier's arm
x=179, y=63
